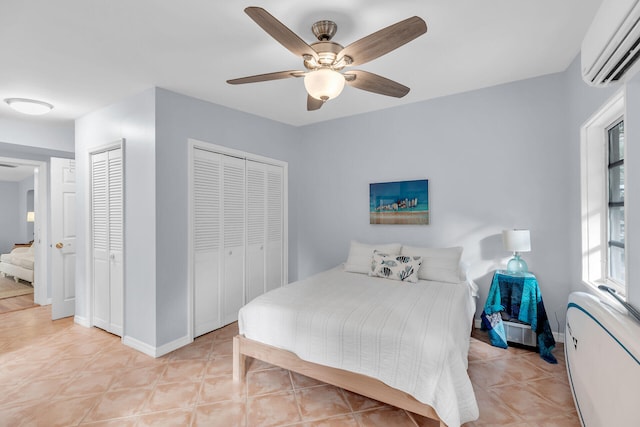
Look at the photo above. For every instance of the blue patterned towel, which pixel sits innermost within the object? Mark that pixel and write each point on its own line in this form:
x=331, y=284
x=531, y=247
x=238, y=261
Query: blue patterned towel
x=517, y=297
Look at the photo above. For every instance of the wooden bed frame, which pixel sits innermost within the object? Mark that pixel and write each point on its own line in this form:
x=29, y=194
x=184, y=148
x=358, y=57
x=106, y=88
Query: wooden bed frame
x=357, y=383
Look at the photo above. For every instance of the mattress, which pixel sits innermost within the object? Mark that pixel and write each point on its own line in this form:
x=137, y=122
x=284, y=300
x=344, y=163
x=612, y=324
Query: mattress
x=412, y=337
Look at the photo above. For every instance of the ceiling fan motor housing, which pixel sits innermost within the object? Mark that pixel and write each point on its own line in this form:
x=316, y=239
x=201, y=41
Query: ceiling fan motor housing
x=324, y=30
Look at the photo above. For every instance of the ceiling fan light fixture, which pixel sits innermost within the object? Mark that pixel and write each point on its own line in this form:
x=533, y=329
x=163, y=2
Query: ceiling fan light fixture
x=324, y=84
x=29, y=106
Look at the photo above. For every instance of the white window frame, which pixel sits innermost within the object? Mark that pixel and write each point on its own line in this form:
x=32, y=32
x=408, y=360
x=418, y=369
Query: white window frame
x=594, y=160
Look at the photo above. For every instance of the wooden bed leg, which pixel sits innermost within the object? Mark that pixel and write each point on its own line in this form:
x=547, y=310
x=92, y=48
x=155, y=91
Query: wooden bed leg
x=239, y=361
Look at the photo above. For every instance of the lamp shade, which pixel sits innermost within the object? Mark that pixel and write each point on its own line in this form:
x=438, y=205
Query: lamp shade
x=31, y=216
x=324, y=83
x=516, y=240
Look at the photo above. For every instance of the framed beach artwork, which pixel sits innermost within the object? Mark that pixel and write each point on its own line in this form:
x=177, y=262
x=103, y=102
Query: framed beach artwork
x=402, y=202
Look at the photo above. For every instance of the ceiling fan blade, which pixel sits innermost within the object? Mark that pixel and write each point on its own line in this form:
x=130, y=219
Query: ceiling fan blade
x=375, y=83
x=280, y=32
x=313, y=103
x=384, y=41
x=266, y=77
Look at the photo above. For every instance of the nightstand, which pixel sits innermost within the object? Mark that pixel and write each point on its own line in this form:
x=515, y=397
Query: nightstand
x=514, y=311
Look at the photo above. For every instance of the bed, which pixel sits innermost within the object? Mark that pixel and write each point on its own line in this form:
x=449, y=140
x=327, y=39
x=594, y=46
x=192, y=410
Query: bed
x=402, y=343
x=18, y=263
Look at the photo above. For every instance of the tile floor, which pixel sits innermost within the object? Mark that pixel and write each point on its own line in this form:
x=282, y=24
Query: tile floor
x=60, y=374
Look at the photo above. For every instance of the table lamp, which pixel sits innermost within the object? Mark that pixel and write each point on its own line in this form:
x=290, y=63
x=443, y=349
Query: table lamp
x=516, y=241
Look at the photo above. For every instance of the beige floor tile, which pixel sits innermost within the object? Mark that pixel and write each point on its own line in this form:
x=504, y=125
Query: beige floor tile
x=302, y=381
x=219, y=366
x=183, y=370
x=321, y=402
x=88, y=383
x=221, y=414
x=55, y=372
x=358, y=402
x=384, y=417
x=138, y=377
x=173, y=396
x=526, y=404
x=268, y=381
x=119, y=404
x=272, y=410
x=197, y=350
x=172, y=418
x=340, y=421
x=221, y=388
x=222, y=348
x=257, y=365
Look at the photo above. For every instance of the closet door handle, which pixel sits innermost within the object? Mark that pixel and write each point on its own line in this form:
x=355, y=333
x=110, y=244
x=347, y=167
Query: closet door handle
x=59, y=245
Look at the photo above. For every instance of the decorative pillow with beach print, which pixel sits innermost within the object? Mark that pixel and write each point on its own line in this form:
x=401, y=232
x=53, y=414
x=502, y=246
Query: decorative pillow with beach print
x=395, y=267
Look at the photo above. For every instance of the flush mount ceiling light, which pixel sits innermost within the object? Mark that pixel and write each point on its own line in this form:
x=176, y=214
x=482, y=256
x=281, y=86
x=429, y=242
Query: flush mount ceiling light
x=29, y=106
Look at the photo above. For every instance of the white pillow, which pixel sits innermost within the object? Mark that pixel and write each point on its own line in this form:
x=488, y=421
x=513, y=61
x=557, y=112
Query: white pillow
x=359, y=260
x=438, y=264
x=395, y=267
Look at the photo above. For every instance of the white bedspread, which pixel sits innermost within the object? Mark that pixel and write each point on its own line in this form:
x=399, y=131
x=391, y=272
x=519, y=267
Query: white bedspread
x=413, y=337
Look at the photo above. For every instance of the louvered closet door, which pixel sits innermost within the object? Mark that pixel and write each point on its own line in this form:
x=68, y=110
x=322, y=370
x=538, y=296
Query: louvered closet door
x=107, y=240
x=116, y=271
x=275, y=227
x=256, y=229
x=207, y=240
x=233, y=188
x=100, y=238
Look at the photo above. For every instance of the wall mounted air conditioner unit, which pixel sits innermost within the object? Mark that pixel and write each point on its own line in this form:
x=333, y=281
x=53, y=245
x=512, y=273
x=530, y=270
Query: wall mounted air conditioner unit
x=612, y=43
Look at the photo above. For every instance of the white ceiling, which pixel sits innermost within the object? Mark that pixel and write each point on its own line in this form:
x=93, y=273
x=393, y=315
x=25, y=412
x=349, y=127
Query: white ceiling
x=83, y=55
x=14, y=170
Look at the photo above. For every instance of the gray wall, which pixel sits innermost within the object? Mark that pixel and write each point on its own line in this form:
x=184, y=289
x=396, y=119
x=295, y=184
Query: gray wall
x=179, y=118
x=9, y=220
x=25, y=204
x=37, y=133
x=134, y=120
x=495, y=158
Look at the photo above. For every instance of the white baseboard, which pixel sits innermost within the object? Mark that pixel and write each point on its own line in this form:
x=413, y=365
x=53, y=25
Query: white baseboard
x=558, y=336
x=82, y=321
x=152, y=351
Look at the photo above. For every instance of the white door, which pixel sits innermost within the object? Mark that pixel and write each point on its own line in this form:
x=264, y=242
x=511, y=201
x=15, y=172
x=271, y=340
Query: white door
x=233, y=218
x=63, y=237
x=207, y=241
x=116, y=244
x=106, y=238
x=256, y=235
x=274, y=268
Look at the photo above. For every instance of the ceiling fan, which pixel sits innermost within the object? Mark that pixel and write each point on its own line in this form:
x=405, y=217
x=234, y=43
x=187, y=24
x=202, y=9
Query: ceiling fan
x=325, y=59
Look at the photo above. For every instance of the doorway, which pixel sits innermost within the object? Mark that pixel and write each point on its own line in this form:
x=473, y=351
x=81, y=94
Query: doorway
x=29, y=178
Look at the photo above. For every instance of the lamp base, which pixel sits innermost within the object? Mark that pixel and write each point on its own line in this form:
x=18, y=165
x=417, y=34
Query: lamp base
x=517, y=265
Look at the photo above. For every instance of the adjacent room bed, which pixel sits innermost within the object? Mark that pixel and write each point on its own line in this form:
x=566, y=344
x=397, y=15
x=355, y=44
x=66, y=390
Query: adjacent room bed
x=18, y=263
x=393, y=324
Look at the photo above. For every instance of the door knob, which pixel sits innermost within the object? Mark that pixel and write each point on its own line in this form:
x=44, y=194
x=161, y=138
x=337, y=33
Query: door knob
x=59, y=245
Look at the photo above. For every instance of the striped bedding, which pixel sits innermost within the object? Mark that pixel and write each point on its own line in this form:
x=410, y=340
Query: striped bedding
x=413, y=337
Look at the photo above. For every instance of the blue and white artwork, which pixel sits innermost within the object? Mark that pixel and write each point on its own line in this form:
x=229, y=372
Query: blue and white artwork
x=402, y=202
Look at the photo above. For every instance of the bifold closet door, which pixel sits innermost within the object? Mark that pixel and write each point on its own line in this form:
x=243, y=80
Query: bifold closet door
x=207, y=234
x=107, y=240
x=264, y=266
x=233, y=211
x=274, y=261
x=237, y=235
x=256, y=229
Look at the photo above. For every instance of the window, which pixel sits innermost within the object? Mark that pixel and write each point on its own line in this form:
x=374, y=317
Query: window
x=615, y=255
x=602, y=192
